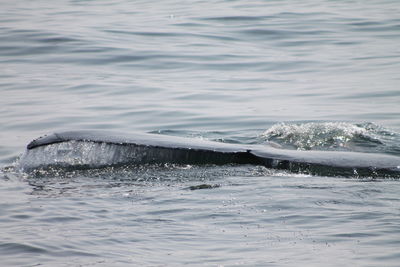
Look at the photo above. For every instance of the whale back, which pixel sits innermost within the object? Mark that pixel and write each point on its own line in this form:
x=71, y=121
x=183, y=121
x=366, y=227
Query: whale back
x=95, y=149
x=91, y=149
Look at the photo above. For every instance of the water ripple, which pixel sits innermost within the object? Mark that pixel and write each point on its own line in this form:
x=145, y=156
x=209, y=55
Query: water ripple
x=309, y=75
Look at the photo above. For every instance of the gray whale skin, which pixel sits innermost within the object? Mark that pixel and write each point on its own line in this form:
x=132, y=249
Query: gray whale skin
x=96, y=149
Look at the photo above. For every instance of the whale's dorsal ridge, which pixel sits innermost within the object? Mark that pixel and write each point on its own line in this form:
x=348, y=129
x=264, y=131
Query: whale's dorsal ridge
x=44, y=140
x=94, y=147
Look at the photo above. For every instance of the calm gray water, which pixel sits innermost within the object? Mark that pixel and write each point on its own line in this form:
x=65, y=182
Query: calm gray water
x=305, y=74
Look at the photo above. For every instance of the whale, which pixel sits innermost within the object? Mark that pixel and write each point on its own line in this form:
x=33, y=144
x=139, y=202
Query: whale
x=86, y=149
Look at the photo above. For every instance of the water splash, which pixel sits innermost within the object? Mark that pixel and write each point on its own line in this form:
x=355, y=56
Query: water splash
x=366, y=137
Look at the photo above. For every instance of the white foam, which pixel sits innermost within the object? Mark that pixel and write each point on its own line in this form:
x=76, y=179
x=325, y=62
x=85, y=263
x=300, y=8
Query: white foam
x=309, y=135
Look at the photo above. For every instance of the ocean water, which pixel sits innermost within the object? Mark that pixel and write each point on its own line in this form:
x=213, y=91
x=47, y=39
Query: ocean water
x=307, y=75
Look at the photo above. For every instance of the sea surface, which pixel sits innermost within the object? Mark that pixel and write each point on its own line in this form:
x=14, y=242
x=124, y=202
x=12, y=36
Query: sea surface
x=307, y=75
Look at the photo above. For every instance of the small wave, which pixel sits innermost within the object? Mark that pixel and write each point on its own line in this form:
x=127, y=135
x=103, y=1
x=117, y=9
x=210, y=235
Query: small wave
x=7, y=248
x=366, y=137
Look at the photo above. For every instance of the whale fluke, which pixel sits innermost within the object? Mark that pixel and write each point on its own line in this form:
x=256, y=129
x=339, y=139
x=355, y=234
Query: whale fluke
x=96, y=149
